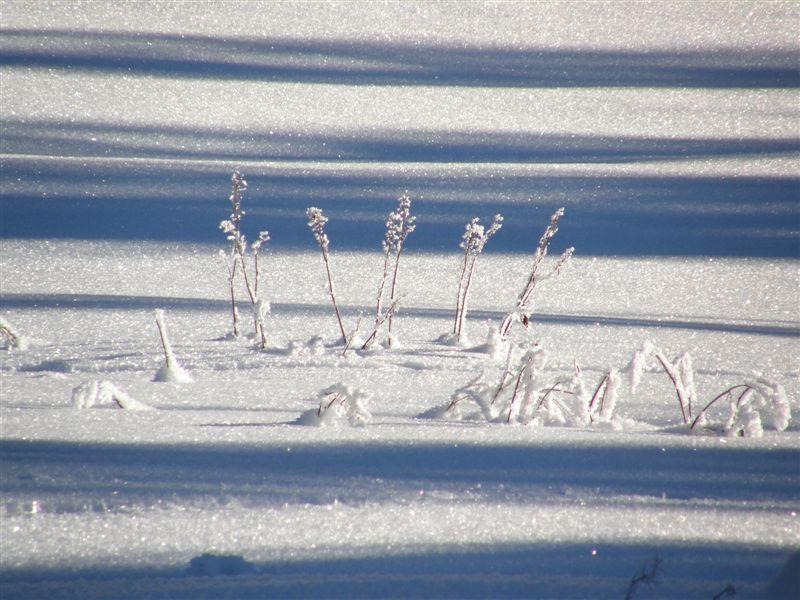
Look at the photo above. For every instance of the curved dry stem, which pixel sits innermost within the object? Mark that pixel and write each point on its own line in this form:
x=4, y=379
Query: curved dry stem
x=727, y=392
x=670, y=374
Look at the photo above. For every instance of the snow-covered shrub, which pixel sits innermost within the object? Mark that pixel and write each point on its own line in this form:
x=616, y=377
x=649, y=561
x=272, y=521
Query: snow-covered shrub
x=235, y=260
x=473, y=242
x=104, y=394
x=338, y=405
x=751, y=404
x=171, y=370
x=524, y=308
x=399, y=224
x=316, y=222
x=13, y=340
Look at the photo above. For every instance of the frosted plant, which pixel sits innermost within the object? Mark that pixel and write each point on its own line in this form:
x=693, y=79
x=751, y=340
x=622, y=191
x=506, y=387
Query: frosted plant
x=473, y=242
x=339, y=404
x=524, y=307
x=14, y=341
x=514, y=399
x=236, y=260
x=316, y=222
x=523, y=396
x=399, y=224
x=231, y=228
x=171, y=370
x=750, y=404
x=679, y=371
x=92, y=394
x=580, y=408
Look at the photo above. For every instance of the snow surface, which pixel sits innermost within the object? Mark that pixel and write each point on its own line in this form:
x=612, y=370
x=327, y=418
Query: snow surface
x=669, y=131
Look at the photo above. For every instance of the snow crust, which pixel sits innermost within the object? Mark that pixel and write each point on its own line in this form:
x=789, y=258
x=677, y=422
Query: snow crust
x=668, y=131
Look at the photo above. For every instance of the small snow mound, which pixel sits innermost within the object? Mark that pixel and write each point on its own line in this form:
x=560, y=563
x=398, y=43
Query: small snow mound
x=495, y=346
x=213, y=565
x=315, y=346
x=171, y=370
x=453, y=340
x=104, y=394
x=173, y=373
x=339, y=405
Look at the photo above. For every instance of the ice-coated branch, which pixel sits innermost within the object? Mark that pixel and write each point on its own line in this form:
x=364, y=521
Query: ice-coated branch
x=316, y=222
x=523, y=309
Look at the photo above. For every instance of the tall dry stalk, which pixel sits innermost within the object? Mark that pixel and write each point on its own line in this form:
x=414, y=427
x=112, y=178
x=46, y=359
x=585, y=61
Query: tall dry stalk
x=399, y=224
x=473, y=242
x=316, y=222
x=524, y=308
x=236, y=260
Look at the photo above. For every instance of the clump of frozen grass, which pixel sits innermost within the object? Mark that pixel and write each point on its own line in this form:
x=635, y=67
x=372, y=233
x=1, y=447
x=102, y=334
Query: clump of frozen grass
x=680, y=372
x=523, y=395
x=750, y=403
x=316, y=222
x=474, y=240
x=104, y=394
x=524, y=307
x=338, y=405
x=13, y=339
x=171, y=370
x=399, y=225
x=236, y=260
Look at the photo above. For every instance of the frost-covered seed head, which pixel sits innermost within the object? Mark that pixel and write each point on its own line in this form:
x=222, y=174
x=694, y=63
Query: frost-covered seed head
x=263, y=238
x=399, y=224
x=317, y=221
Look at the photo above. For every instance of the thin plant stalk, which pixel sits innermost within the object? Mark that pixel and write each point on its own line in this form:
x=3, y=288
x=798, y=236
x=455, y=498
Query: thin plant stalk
x=522, y=310
x=392, y=296
x=317, y=221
